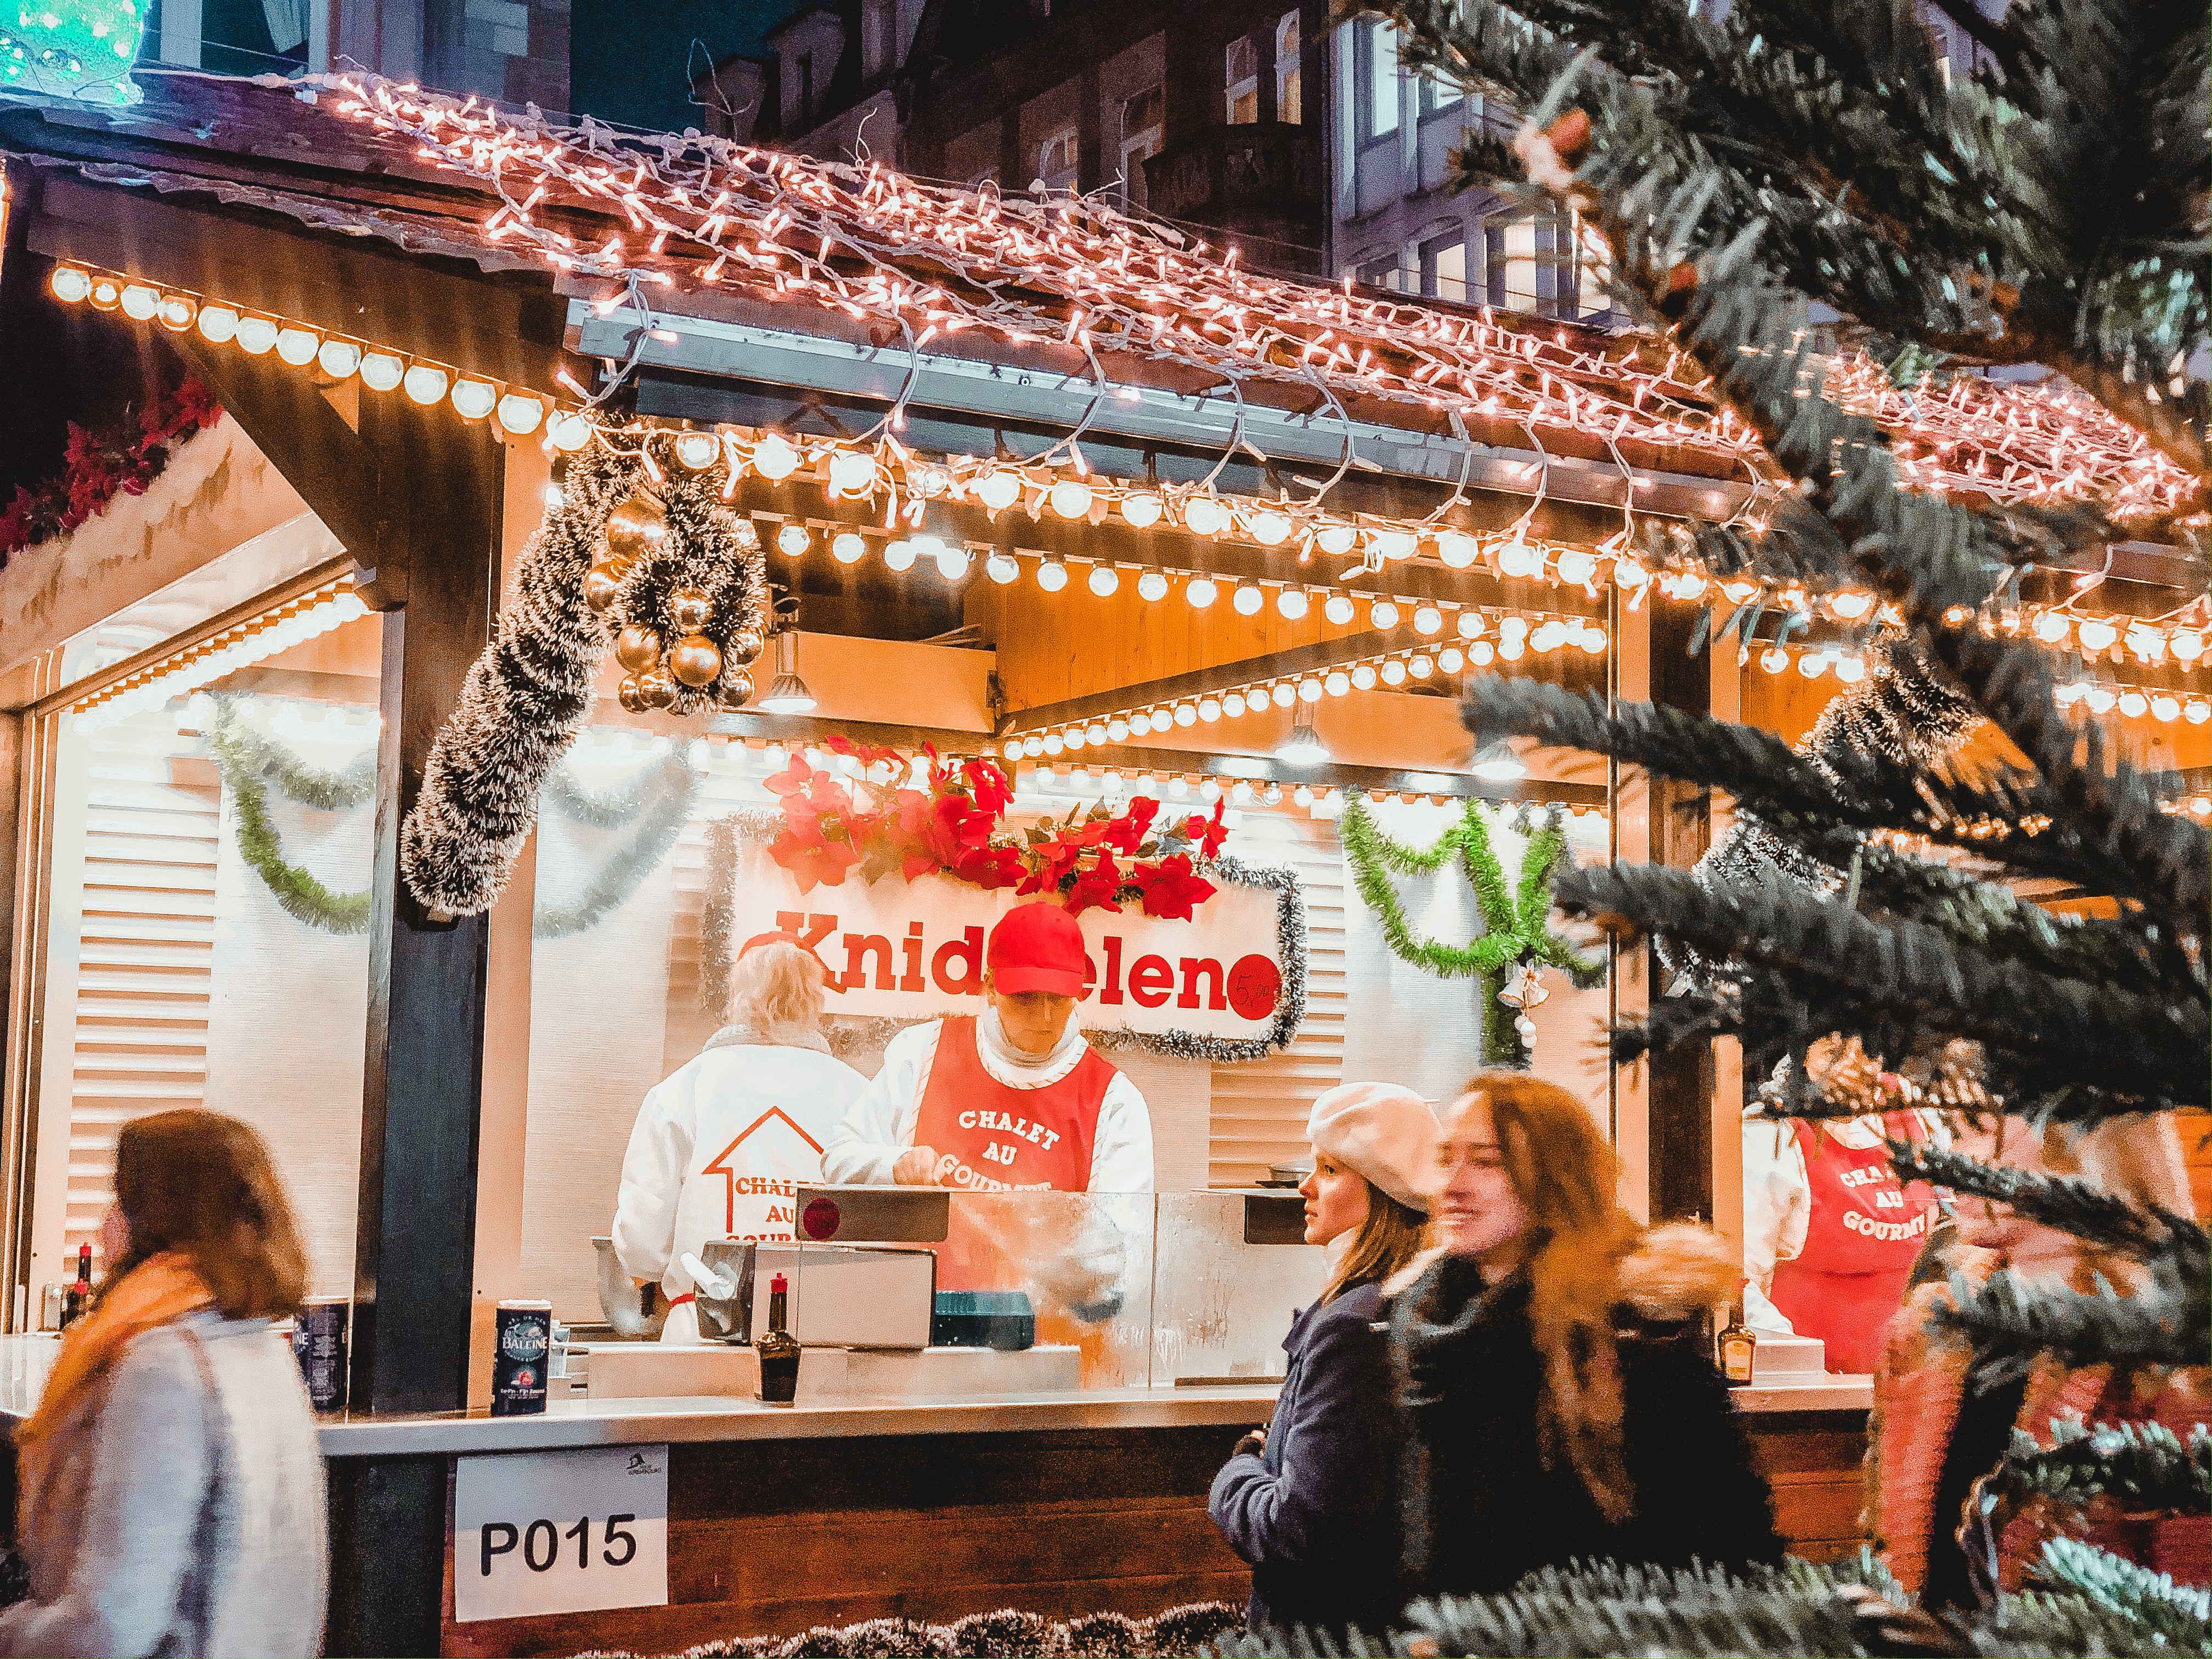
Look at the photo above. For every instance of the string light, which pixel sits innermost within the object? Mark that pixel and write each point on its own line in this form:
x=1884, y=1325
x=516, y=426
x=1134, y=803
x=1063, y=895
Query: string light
x=313, y=615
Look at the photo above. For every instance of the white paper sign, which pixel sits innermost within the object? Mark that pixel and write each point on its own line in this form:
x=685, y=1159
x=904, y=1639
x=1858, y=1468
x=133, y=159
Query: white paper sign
x=560, y=1531
x=916, y=949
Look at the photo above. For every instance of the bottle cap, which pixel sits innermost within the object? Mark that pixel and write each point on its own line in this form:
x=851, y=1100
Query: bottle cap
x=776, y=1286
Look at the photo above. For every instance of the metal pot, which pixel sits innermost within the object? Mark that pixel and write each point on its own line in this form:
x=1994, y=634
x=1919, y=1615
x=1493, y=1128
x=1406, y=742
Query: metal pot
x=637, y=1313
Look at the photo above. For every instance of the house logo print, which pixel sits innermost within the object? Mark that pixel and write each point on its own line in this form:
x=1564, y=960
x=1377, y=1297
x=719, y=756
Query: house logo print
x=722, y=1167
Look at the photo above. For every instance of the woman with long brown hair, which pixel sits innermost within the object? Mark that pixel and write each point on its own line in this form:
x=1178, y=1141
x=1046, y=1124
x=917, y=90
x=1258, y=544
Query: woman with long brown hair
x=1559, y=1404
x=1308, y=1504
x=171, y=1491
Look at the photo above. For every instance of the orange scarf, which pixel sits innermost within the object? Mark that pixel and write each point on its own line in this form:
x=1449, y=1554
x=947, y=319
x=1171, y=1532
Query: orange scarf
x=158, y=1289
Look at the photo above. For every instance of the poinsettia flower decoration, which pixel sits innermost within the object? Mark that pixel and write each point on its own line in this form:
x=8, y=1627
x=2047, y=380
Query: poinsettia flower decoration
x=1098, y=861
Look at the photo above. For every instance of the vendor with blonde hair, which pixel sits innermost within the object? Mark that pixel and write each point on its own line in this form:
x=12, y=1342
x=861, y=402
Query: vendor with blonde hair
x=721, y=1145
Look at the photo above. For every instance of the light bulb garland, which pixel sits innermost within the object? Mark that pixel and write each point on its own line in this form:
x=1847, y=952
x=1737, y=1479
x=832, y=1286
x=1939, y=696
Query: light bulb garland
x=330, y=606
x=882, y=251
x=1069, y=490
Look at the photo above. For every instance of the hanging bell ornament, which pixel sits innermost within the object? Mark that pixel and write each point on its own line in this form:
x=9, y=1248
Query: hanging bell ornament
x=637, y=648
x=694, y=659
x=689, y=608
x=635, y=526
x=1524, y=987
x=601, y=582
x=655, y=689
x=737, y=690
x=745, y=646
x=627, y=696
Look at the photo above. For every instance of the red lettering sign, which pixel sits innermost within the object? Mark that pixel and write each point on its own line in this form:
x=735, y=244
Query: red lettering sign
x=1151, y=980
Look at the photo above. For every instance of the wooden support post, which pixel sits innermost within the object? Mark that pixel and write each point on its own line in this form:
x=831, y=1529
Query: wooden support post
x=1680, y=1082
x=439, y=488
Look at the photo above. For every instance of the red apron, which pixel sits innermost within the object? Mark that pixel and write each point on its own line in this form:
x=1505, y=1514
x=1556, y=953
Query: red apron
x=1861, y=1237
x=991, y=1138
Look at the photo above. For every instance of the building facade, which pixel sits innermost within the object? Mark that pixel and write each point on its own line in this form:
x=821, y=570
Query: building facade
x=1213, y=119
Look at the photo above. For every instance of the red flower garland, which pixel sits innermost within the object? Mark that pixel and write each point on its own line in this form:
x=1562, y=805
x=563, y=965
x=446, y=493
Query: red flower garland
x=954, y=829
x=98, y=466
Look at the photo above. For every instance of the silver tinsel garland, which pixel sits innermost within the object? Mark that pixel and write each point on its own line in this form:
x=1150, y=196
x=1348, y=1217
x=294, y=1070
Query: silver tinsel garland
x=759, y=825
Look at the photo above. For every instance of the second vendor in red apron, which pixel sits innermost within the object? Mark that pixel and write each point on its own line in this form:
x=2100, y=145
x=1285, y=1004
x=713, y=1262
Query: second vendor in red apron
x=1840, y=1270
x=1011, y=1098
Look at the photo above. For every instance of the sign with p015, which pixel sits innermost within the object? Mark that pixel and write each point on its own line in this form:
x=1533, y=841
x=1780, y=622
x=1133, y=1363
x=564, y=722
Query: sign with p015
x=546, y=1531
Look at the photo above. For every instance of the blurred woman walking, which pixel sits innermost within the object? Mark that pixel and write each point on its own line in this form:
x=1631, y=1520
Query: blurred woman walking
x=171, y=1489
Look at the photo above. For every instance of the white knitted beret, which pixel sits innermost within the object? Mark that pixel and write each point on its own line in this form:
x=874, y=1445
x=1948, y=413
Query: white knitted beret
x=1385, y=1132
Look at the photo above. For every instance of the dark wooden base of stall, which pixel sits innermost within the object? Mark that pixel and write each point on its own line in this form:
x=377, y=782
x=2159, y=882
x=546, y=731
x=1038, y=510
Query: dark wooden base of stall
x=769, y=1537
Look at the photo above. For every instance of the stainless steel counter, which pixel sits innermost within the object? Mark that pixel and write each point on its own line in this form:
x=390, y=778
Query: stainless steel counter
x=25, y=1361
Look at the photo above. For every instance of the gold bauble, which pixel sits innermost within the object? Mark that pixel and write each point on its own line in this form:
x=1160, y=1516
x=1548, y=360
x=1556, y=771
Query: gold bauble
x=694, y=659
x=627, y=696
x=635, y=526
x=601, y=583
x=637, y=648
x=655, y=689
x=745, y=646
x=689, y=608
x=737, y=690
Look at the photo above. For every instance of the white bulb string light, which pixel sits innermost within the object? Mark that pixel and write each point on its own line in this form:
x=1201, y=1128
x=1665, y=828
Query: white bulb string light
x=997, y=486
x=184, y=672
x=883, y=249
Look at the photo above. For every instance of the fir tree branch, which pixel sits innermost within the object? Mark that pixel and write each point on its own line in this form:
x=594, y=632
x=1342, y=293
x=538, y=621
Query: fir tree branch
x=2167, y=1322
x=2070, y=1205
x=2136, y=1468
x=2172, y=1614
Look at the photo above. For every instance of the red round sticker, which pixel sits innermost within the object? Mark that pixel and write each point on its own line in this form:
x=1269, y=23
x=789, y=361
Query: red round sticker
x=1255, y=986
x=820, y=1219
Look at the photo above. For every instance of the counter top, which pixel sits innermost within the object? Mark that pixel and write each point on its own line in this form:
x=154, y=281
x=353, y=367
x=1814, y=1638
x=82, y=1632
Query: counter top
x=582, y=1421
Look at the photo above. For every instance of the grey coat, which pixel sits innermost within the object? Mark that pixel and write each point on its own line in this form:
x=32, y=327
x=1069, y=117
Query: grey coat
x=163, y=1517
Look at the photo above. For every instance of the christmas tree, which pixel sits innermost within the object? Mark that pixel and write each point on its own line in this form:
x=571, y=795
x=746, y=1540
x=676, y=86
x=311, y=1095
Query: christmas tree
x=1833, y=223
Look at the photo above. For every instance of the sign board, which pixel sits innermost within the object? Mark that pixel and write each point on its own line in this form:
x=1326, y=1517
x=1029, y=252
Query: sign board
x=913, y=950
x=537, y=1533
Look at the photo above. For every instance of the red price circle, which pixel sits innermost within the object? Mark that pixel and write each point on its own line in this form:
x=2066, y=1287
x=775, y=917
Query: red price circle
x=1255, y=986
x=820, y=1219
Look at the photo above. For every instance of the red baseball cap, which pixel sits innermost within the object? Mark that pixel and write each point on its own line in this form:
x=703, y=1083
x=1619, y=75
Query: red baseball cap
x=1036, y=947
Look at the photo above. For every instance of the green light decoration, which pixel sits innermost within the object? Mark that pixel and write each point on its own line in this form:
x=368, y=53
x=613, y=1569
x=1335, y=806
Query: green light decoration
x=72, y=49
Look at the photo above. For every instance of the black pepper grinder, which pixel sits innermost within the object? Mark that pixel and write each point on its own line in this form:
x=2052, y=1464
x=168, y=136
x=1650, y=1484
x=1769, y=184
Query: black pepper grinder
x=778, y=1350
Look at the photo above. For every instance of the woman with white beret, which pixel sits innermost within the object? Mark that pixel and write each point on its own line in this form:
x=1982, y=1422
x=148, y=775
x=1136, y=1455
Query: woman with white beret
x=1309, y=1503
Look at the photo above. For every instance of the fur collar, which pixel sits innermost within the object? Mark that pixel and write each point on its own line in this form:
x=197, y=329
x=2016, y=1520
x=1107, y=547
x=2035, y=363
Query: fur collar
x=1674, y=1272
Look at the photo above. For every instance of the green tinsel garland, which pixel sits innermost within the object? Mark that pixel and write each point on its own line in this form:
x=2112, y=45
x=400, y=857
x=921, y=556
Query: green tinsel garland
x=248, y=760
x=1514, y=924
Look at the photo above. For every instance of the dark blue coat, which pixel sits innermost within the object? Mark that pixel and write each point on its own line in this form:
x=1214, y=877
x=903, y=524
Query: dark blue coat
x=1315, y=1512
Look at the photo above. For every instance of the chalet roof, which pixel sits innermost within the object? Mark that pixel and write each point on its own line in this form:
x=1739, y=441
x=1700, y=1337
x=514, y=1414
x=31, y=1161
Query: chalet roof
x=650, y=226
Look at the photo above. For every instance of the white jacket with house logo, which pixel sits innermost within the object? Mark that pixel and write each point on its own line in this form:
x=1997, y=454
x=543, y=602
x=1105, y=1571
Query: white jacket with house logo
x=718, y=1149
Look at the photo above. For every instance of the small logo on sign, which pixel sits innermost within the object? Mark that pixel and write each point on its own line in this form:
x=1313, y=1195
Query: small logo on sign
x=640, y=1464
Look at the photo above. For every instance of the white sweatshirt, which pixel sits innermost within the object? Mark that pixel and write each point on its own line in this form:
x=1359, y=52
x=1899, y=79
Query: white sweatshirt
x=709, y=1159
x=861, y=1149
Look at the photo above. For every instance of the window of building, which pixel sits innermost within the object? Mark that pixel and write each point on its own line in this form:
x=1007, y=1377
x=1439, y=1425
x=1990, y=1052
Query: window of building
x=1242, y=72
x=1549, y=264
x=1390, y=272
x=1057, y=163
x=1289, y=101
x=1438, y=93
x=802, y=103
x=1375, y=47
x=1143, y=117
x=1443, y=268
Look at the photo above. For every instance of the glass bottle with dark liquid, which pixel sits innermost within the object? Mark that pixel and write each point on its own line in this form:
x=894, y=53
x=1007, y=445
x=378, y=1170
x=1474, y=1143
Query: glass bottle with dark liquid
x=1738, y=1345
x=778, y=1350
x=80, y=1294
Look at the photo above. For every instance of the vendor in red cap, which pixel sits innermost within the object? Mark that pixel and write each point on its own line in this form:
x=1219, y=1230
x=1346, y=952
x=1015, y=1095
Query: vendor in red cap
x=1012, y=1097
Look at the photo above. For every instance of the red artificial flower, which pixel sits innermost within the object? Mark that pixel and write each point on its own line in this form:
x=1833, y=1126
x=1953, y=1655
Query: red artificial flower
x=1126, y=833
x=813, y=859
x=1207, y=833
x=1170, y=888
x=867, y=754
x=1094, y=889
x=990, y=867
x=791, y=781
x=988, y=786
